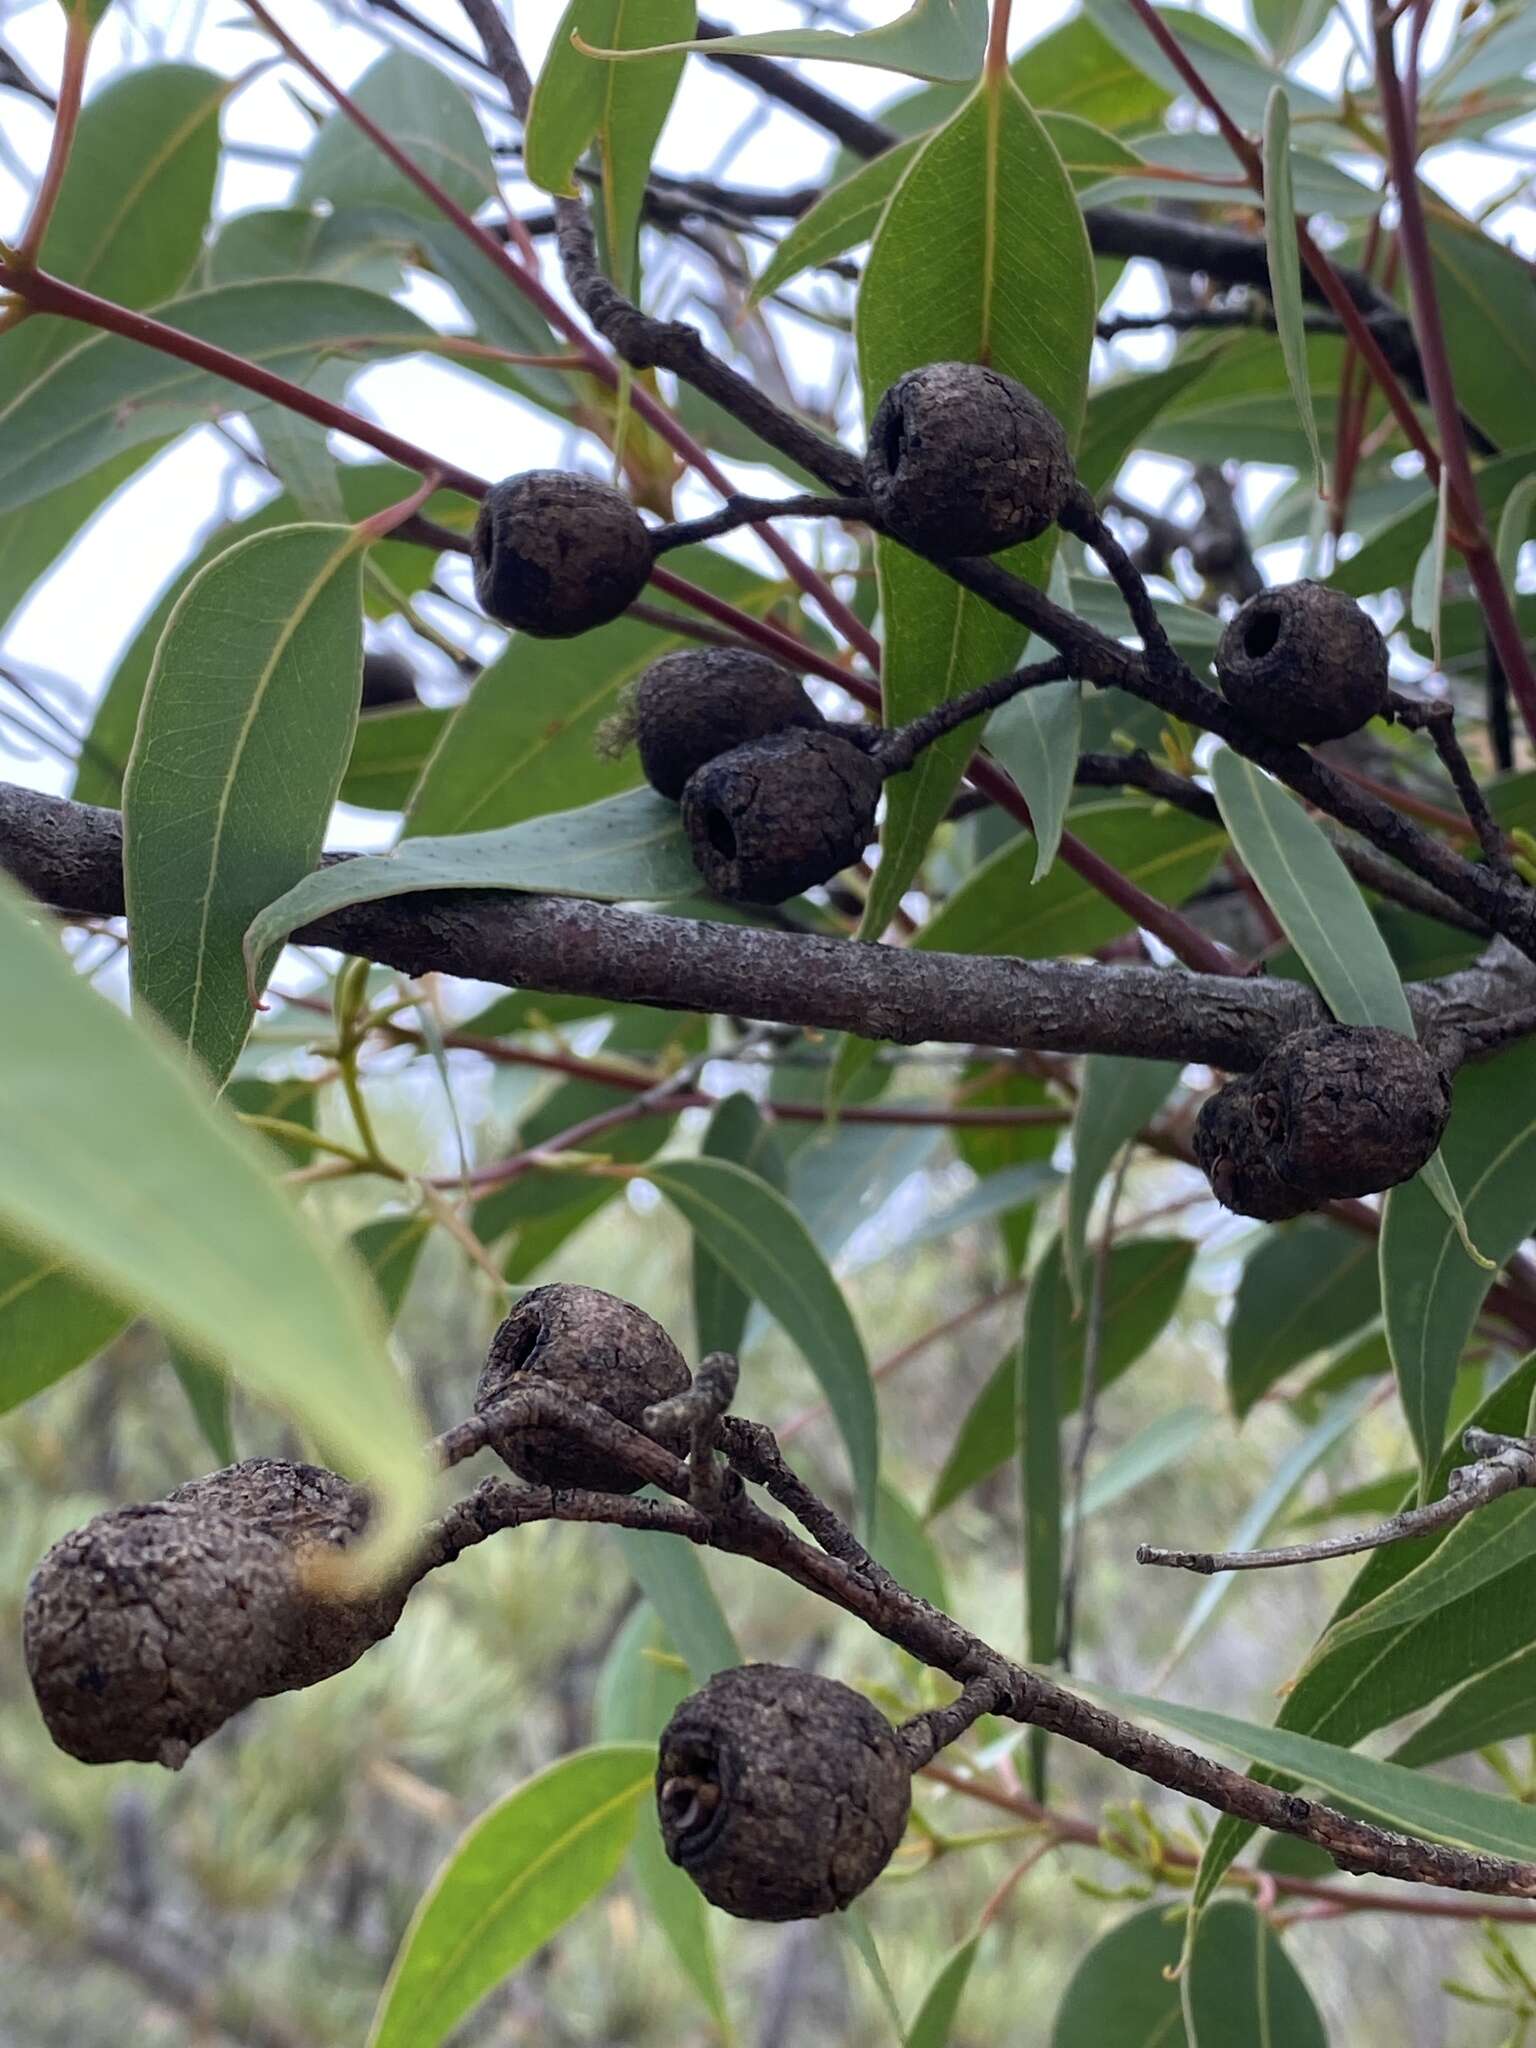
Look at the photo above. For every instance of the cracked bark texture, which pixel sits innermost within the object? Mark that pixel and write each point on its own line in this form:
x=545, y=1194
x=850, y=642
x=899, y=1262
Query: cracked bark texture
x=147, y=1629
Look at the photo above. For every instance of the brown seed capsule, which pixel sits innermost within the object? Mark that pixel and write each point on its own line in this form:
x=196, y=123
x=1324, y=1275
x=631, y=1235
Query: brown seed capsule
x=1304, y=662
x=148, y=1628
x=964, y=461
x=557, y=554
x=781, y=814
x=595, y=1346
x=691, y=706
x=1331, y=1112
x=388, y=679
x=782, y=1794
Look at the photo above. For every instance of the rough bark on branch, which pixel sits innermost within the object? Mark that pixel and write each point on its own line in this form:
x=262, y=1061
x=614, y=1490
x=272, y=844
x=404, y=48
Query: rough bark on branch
x=69, y=856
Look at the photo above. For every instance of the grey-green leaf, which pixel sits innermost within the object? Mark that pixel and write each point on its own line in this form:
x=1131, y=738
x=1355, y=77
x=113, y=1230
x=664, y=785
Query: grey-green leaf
x=526, y=1866
x=244, y=735
x=116, y=1161
x=628, y=848
x=757, y=1236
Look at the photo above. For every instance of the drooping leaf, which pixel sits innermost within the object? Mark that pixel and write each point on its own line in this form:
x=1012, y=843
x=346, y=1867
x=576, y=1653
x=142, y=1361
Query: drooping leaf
x=418, y=106
x=1235, y=71
x=207, y=1392
x=933, y=39
x=107, y=394
x=1306, y=1288
x=760, y=1240
x=1038, y=738
x=1165, y=1441
x=1365, y=1685
x=1038, y=1408
x=389, y=1247
x=629, y=848
x=1484, y=296
x=1428, y=591
x=624, y=107
x=50, y=1320
x=981, y=256
x=1285, y=265
x=117, y=1163
x=933, y=2023
x=222, y=810
x=524, y=1868
x=1123, y=408
x=668, y=1572
x=1482, y=1548
x=638, y=1689
x=1244, y=1988
x=736, y=1132
x=1495, y=1707
x=1313, y=895
x=1116, y=1099
x=1430, y=1291
x=1410, y=1801
x=1143, y=1283
x=907, y=1551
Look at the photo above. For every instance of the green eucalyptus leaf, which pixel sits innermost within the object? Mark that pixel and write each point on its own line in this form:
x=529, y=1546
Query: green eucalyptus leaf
x=933, y=39
x=117, y=1162
x=1307, y=1287
x=758, y=1238
x=1280, y=240
x=51, y=1320
x=523, y=1869
x=1116, y=1099
x=221, y=811
x=629, y=848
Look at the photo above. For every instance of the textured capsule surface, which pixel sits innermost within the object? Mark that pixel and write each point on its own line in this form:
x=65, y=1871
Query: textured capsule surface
x=701, y=702
x=781, y=1793
x=964, y=461
x=1304, y=662
x=556, y=554
x=781, y=814
x=596, y=1347
x=147, y=1629
x=1333, y=1112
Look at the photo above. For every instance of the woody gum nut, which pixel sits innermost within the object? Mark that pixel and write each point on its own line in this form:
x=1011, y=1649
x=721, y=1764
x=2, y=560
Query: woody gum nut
x=595, y=1347
x=556, y=554
x=1332, y=1112
x=781, y=815
x=691, y=706
x=148, y=1628
x=1303, y=662
x=782, y=1794
x=965, y=461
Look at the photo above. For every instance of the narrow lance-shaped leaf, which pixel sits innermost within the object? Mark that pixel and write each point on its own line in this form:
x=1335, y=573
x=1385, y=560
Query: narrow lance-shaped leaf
x=527, y=1866
x=942, y=39
x=1403, y=1799
x=629, y=848
x=1115, y=1100
x=981, y=256
x=50, y=1320
x=757, y=1236
x=243, y=738
x=117, y=1162
x=1280, y=242
x=1324, y=916
x=933, y=2023
x=669, y=1573
x=1426, y=598
x=580, y=96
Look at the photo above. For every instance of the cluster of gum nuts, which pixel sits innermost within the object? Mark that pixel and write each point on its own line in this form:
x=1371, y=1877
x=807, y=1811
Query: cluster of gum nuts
x=783, y=1794
x=775, y=798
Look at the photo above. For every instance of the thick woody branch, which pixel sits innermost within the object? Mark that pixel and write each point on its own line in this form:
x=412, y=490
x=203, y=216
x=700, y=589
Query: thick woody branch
x=989, y=1681
x=70, y=857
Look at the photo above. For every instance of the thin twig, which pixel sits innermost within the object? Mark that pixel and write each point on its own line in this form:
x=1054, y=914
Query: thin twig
x=1506, y=1464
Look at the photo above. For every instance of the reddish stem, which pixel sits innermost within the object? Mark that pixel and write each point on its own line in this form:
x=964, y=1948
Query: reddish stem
x=1245, y=151
x=1439, y=379
x=650, y=409
x=50, y=294
x=77, y=44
